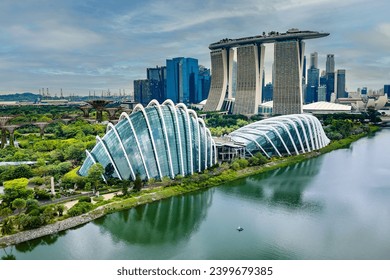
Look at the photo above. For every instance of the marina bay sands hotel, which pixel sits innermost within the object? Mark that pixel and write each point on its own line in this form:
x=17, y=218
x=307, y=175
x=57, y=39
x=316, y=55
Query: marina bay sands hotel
x=288, y=71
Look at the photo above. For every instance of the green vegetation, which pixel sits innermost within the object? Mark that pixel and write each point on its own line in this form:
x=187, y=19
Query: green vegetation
x=224, y=124
x=80, y=208
x=61, y=153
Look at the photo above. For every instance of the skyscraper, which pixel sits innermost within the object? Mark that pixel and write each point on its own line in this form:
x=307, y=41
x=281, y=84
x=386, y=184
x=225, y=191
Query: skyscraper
x=288, y=59
x=142, y=92
x=303, y=71
x=313, y=75
x=340, y=84
x=287, y=71
x=204, y=82
x=322, y=93
x=268, y=92
x=182, y=80
x=330, y=63
x=330, y=76
x=157, y=80
x=314, y=60
x=386, y=89
x=250, y=62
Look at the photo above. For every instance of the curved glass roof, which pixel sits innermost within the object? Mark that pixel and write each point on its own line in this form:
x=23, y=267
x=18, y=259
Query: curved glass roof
x=154, y=141
x=282, y=135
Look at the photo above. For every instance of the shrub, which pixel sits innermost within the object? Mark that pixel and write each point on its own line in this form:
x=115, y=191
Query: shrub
x=42, y=194
x=235, y=166
x=85, y=199
x=98, y=198
x=38, y=181
x=80, y=208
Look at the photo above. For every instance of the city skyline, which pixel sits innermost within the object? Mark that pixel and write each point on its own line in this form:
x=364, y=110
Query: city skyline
x=98, y=46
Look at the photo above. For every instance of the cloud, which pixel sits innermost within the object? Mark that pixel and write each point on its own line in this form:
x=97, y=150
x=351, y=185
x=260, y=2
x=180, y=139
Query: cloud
x=88, y=44
x=52, y=36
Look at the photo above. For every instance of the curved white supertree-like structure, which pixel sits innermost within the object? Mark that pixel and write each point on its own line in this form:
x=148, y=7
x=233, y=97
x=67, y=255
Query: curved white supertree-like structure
x=154, y=141
x=282, y=135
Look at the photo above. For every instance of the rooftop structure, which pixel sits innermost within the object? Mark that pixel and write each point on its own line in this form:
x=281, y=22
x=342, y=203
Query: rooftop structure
x=271, y=37
x=320, y=107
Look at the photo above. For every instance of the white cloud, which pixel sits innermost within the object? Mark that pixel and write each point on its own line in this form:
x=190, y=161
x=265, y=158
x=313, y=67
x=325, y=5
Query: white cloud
x=53, y=36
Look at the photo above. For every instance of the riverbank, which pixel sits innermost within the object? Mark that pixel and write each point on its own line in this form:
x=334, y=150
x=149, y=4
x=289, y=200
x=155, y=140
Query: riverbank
x=173, y=188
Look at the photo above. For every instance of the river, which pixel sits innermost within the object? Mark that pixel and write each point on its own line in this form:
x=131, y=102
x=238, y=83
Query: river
x=336, y=206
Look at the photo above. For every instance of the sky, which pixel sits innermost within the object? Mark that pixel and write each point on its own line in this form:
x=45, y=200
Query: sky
x=90, y=45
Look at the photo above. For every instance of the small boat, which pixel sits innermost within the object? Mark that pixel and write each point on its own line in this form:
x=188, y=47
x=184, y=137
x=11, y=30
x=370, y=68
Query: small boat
x=240, y=228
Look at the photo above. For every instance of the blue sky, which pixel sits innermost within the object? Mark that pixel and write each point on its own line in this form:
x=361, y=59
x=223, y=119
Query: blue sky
x=98, y=45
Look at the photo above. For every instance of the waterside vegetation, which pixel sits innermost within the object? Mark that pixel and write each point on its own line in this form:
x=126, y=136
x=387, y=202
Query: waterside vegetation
x=28, y=204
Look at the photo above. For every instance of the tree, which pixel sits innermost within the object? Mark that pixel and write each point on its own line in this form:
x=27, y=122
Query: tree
x=71, y=178
x=19, y=203
x=31, y=204
x=16, y=189
x=60, y=209
x=7, y=226
x=5, y=212
x=16, y=183
x=95, y=174
x=137, y=182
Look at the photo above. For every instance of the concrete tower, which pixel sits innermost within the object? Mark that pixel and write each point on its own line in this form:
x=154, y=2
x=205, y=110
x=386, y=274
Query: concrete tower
x=250, y=64
x=288, y=59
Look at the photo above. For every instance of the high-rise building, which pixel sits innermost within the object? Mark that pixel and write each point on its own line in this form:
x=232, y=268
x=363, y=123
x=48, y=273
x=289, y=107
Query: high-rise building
x=386, y=89
x=268, y=91
x=288, y=59
x=287, y=71
x=313, y=75
x=330, y=76
x=182, y=80
x=250, y=62
x=314, y=60
x=340, y=84
x=330, y=63
x=322, y=93
x=323, y=79
x=304, y=70
x=142, y=92
x=204, y=82
x=364, y=91
x=157, y=79
x=330, y=85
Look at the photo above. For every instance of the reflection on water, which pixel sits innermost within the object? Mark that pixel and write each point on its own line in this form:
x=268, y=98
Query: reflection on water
x=282, y=187
x=159, y=222
x=29, y=246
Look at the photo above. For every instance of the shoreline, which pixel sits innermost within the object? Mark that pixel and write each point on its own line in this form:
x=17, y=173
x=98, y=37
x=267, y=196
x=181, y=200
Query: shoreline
x=159, y=193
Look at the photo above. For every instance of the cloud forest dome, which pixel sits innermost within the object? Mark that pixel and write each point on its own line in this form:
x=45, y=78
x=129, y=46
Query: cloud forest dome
x=282, y=135
x=154, y=141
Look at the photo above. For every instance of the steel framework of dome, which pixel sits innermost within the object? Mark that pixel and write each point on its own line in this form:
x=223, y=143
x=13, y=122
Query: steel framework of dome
x=282, y=135
x=154, y=141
